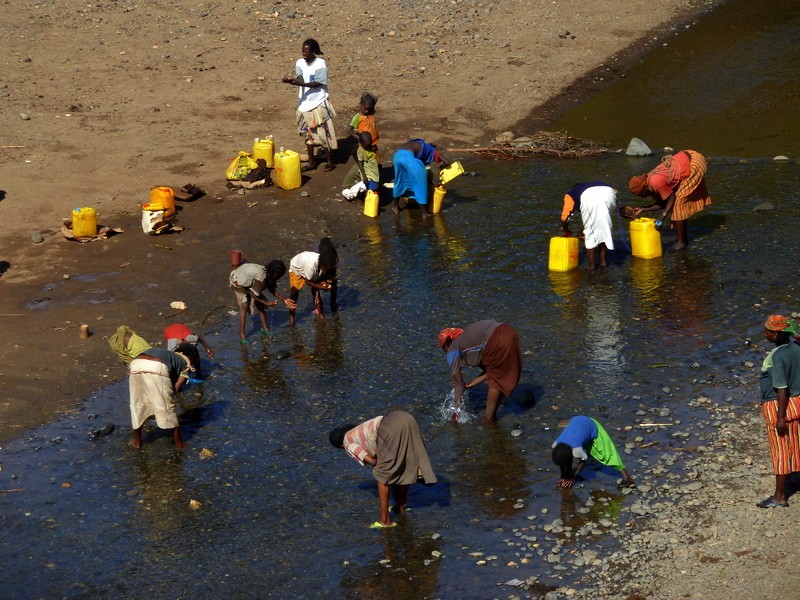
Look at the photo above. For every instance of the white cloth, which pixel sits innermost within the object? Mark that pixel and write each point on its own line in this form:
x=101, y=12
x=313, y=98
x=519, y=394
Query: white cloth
x=305, y=264
x=172, y=343
x=244, y=275
x=598, y=203
x=310, y=98
x=151, y=394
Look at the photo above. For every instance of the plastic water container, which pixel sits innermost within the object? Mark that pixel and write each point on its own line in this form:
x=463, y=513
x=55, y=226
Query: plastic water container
x=454, y=170
x=164, y=196
x=84, y=222
x=371, y=204
x=287, y=170
x=264, y=148
x=439, y=192
x=563, y=253
x=645, y=238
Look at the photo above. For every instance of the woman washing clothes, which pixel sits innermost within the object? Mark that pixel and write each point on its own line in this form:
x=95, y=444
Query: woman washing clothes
x=315, y=113
x=410, y=174
x=678, y=186
x=491, y=346
x=392, y=444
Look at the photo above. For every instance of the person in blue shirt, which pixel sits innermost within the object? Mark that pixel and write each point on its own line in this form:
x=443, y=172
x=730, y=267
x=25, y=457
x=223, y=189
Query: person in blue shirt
x=581, y=438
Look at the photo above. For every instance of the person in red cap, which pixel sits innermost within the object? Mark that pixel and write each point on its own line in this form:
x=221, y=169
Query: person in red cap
x=678, y=186
x=780, y=404
x=491, y=346
x=178, y=333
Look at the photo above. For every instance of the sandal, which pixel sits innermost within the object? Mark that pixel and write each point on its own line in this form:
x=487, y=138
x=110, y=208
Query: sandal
x=379, y=525
x=771, y=503
x=308, y=167
x=328, y=167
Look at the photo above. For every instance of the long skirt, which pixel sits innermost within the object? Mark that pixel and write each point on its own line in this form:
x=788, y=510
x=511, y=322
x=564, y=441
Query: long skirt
x=692, y=194
x=502, y=360
x=598, y=203
x=401, y=451
x=151, y=394
x=410, y=177
x=783, y=450
x=317, y=126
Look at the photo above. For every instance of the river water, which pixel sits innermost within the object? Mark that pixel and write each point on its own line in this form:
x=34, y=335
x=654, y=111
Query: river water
x=283, y=514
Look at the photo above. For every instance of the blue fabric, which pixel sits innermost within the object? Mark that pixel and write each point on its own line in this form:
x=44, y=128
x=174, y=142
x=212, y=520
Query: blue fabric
x=451, y=356
x=577, y=191
x=372, y=186
x=580, y=432
x=410, y=177
x=428, y=152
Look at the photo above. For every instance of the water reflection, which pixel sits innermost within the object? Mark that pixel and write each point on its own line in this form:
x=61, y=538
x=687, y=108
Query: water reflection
x=406, y=568
x=565, y=283
x=492, y=464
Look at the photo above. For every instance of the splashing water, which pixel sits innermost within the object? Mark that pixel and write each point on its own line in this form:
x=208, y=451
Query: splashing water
x=449, y=407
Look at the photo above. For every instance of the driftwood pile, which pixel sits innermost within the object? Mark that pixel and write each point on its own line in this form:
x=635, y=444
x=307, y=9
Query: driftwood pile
x=543, y=143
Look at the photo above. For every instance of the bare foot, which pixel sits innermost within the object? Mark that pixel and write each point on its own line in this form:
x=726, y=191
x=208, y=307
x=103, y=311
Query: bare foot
x=135, y=443
x=680, y=246
x=394, y=208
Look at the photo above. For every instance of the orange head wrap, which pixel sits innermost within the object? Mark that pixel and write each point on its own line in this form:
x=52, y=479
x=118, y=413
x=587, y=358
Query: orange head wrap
x=779, y=323
x=638, y=185
x=449, y=333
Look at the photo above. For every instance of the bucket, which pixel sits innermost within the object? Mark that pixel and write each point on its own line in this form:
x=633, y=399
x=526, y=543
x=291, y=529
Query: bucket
x=287, y=170
x=84, y=222
x=371, y=203
x=439, y=192
x=645, y=238
x=563, y=253
x=236, y=257
x=165, y=196
x=264, y=148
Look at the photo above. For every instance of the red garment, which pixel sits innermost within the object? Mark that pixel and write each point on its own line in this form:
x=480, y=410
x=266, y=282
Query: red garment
x=664, y=179
x=176, y=331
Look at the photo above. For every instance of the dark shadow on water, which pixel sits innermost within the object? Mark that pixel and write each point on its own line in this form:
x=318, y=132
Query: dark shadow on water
x=419, y=495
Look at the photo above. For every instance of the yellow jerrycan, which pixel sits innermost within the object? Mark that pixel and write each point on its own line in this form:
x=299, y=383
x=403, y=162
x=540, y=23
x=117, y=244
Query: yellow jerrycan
x=164, y=196
x=563, y=253
x=645, y=238
x=371, y=204
x=264, y=148
x=84, y=222
x=439, y=193
x=287, y=170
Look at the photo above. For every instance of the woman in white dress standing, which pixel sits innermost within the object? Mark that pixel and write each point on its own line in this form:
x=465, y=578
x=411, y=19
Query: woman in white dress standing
x=315, y=113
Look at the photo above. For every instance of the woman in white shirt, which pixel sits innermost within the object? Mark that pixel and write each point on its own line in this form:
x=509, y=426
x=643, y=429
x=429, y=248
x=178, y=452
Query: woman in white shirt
x=315, y=113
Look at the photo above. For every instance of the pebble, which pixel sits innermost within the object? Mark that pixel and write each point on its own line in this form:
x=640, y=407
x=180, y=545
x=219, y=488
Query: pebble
x=25, y=116
x=37, y=237
x=304, y=194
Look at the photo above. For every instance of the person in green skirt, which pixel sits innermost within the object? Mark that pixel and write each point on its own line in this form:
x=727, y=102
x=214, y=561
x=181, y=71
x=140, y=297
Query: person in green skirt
x=584, y=437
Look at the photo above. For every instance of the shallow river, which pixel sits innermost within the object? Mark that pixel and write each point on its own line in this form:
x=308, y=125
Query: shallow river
x=285, y=515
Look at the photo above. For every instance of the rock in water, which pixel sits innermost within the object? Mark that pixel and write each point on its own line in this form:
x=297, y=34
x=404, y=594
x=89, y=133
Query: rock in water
x=637, y=147
x=764, y=206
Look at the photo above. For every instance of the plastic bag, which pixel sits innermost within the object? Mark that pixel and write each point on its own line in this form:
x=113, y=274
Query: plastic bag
x=240, y=166
x=155, y=221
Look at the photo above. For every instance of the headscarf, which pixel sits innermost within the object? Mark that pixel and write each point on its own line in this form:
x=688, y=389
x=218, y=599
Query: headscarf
x=449, y=333
x=136, y=345
x=638, y=185
x=780, y=323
